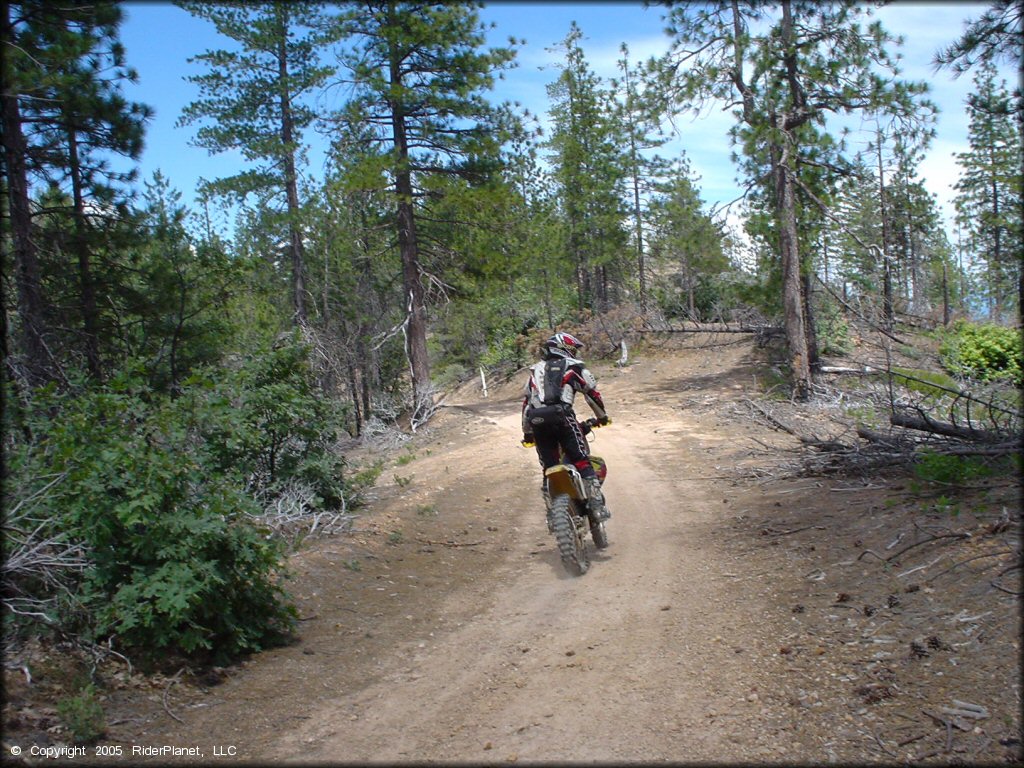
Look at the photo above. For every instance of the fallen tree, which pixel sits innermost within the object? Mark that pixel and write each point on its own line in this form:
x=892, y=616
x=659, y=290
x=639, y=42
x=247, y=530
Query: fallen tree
x=925, y=423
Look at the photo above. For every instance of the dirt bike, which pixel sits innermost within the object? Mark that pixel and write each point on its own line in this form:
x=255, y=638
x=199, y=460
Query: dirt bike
x=569, y=517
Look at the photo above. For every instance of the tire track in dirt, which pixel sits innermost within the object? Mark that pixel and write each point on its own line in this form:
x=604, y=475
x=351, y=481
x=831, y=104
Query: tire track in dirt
x=629, y=662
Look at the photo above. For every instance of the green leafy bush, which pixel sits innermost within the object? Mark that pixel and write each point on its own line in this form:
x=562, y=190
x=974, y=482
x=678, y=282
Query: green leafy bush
x=161, y=491
x=987, y=352
x=176, y=561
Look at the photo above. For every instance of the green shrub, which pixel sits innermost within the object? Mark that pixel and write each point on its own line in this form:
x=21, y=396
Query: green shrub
x=951, y=470
x=832, y=330
x=987, y=352
x=267, y=421
x=506, y=349
x=176, y=560
x=83, y=715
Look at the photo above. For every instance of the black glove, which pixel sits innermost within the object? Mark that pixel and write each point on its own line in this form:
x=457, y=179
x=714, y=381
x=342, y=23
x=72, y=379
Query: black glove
x=604, y=421
x=528, y=441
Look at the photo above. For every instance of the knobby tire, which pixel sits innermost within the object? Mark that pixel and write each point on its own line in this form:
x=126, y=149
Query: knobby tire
x=599, y=532
x=572, y=548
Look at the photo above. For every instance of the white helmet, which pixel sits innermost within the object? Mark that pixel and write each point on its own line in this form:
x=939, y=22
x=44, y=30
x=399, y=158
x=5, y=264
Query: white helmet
x=563, y=344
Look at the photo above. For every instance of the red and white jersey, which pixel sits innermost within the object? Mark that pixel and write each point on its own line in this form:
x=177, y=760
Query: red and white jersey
x=576, y=377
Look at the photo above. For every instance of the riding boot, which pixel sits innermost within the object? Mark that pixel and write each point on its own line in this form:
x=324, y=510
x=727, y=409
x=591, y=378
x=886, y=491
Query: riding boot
x=595, y=500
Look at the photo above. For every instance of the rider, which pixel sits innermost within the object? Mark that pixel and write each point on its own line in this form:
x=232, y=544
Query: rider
x=549, y=419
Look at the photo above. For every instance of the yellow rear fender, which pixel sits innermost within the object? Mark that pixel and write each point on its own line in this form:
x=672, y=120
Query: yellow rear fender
x=563, y=479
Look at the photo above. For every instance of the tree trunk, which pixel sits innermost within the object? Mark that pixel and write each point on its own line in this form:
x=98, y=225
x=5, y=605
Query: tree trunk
x=783, y=158
x=291, y=182
x=945, y=297
x=26, y=263
x=996, y=258
x=548, y=306
x=353, y=386
x=638, y=218
x=90, y=314
x=888, y=315
x=416, y=326
x=918, y=299
x=691, y=305
x=792, y=300
x=813, y=355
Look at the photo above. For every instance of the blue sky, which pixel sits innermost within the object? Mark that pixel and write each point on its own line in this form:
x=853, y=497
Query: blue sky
x=160, y=37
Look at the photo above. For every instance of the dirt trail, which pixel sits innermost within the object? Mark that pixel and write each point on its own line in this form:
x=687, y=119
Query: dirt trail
x=444, y=628
x=608, y=666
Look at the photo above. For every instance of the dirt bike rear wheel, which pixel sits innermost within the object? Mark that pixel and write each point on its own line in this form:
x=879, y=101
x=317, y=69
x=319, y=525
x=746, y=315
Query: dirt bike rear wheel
x=572, y=547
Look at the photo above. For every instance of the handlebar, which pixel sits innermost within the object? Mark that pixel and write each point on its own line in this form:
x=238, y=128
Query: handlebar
x=587, y=426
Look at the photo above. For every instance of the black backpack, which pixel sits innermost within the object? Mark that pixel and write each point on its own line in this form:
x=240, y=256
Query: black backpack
x=554, y=373
x=554, y=412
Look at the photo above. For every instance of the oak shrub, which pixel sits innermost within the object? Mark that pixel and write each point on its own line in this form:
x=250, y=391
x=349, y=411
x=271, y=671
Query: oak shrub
x=161, y=491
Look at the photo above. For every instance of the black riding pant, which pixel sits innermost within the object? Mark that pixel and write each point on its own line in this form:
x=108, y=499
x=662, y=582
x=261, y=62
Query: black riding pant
x=563, y=435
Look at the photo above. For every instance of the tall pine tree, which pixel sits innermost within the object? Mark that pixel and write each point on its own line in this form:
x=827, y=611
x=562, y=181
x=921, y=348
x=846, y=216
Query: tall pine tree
x=73, y=118
x=419, y=74
x=589, y=163
x=251, y=100
x=810, y=60
x=991, y=191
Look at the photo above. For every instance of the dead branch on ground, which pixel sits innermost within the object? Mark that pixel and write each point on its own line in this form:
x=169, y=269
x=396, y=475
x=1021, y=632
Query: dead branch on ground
x=813, y=441
x=924, y=423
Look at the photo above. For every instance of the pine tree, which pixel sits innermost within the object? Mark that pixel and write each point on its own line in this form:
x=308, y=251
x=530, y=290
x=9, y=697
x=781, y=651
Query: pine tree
x=994, y=36
x=252, y=100
x=812, y=60
x=639, y=116
x=175, y=296
x=74, y=118
x=361, y=304
x=990, y=190
x=688, y=244
x=419, y=76
x=18, y=76
x=590, y=171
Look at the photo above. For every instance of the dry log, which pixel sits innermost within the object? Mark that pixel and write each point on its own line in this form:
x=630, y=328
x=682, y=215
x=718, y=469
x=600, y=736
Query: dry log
x=925, y=424
x=996, y=449
x=867, y=370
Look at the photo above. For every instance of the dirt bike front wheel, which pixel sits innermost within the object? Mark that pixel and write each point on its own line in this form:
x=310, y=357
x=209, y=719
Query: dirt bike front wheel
x=572, y=547
x=599, y=533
